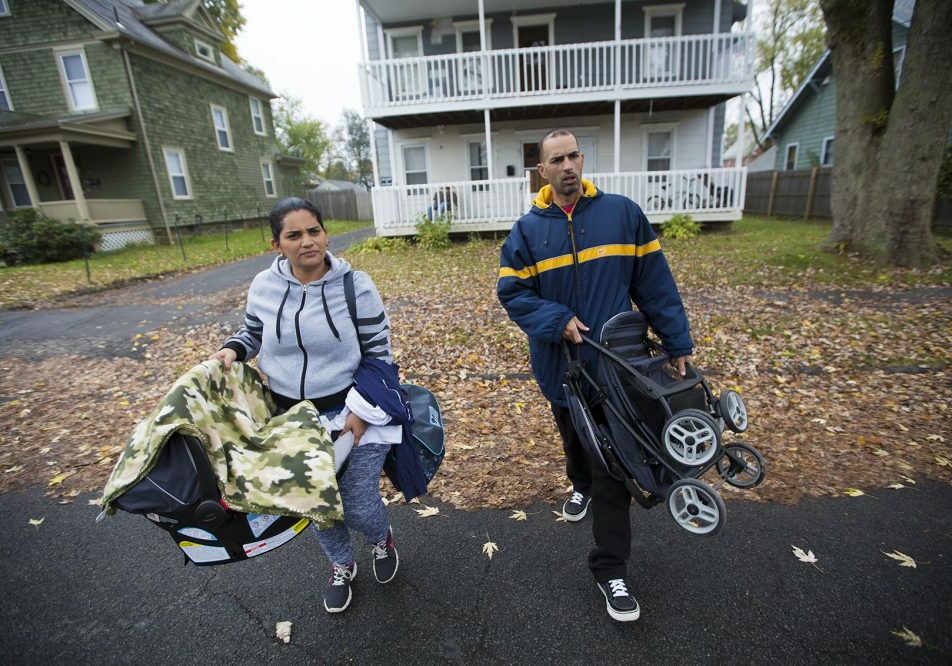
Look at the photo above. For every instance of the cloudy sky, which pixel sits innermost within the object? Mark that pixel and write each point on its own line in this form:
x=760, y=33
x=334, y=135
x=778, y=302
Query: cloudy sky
x=308, y=49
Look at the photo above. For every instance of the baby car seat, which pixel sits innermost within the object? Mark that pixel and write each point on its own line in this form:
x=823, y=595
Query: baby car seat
x=180, y=495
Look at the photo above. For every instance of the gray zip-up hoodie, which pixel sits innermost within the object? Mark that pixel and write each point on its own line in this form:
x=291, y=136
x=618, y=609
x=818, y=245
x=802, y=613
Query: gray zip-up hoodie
x=302, y=333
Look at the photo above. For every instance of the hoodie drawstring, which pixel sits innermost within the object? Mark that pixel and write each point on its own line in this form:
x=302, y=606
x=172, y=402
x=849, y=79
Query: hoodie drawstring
x=327, y=313
x=277, y=322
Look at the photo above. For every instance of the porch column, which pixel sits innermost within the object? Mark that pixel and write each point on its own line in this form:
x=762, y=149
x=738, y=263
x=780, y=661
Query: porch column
x=489, y=141
x=372, y=130
x=393, y=160
x=741, y=140
x=617, y=136
x=617, y=68
x=717, y=16
x=74, y=182
x=710, y=137
x=360, y=30
x=483, y=56
x=27, y=174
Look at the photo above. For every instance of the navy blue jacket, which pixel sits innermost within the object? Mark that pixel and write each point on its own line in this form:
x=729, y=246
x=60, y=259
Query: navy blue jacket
x=591, y=264
x=378, y=382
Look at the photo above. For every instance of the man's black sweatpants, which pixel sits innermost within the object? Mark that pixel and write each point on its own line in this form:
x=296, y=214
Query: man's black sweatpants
x=611, y=524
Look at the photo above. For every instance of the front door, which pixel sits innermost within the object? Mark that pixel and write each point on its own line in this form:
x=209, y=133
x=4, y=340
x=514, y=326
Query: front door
x=530, y=163
x=532, y=70
x=410, y=77
x=663, y=54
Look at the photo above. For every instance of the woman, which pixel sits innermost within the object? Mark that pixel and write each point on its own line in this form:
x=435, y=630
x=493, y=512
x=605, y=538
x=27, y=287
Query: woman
x=297, y=324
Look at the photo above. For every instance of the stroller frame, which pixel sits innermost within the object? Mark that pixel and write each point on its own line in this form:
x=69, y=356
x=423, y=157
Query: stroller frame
x=729, y=460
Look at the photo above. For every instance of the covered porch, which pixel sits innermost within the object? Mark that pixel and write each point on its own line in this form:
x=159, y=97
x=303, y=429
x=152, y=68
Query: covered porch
x=64, y=167
x=708, y=195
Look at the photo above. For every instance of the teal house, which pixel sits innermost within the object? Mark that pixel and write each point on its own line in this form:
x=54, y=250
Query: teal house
x=805, y=131
x=128, y=116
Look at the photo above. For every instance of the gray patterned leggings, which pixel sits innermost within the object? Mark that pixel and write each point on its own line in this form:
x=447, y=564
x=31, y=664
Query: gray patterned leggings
x=363, y=509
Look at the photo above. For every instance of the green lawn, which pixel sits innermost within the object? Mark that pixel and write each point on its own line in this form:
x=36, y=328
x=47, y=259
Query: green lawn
x=25, y=285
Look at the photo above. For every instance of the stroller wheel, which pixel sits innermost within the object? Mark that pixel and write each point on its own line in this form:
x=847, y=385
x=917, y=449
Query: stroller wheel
x=691, y=437
x=733, y=410
x=696, y=507
x=742, y=466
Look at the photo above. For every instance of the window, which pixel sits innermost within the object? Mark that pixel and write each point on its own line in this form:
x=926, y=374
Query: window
x=204, y=51
x=222, y=133
x=478, y=162
x=4, y=8
x=5, y=103
x=790, y=162
x=178, y=173
x=414, y=165
x=16, y=185
x=662, y=21
x=826, y=158
x=410, y=78
x=76, y=80
x=899, y=56
x=257, y=116
x=659, y=150
x=267, y=174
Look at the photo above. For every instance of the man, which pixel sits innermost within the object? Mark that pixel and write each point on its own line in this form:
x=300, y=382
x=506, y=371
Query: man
x=576, y=259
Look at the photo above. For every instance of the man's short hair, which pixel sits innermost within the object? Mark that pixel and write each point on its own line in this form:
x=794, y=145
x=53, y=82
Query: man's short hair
x=553, y=133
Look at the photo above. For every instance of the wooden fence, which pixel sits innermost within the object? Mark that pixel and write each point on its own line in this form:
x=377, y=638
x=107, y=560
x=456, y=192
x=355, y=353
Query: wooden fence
x=806, y=194
x=342, y=205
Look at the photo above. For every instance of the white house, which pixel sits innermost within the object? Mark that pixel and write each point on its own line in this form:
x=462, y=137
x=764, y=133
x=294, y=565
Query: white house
x=459, y=92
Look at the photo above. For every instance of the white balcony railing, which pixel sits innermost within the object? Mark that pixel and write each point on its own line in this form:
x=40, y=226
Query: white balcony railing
x=488, y=205
x=725, y=58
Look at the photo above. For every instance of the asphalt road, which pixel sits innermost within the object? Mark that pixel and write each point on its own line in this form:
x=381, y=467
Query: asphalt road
x=117, y=592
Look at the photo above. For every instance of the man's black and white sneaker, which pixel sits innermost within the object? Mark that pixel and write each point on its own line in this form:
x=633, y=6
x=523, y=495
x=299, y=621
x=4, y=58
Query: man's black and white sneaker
x=622, y=606
x=338, y=594
x=386, y=559
x=576, y=507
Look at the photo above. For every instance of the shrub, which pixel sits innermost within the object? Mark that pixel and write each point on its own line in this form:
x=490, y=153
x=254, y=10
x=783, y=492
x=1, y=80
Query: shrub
x=30, y=237
x=378, y=244
x=681, y=226
x=433, y=234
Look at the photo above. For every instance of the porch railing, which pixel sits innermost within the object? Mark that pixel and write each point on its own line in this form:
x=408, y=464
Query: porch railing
x=487, y=205
x=100, y=210
x=565, y=68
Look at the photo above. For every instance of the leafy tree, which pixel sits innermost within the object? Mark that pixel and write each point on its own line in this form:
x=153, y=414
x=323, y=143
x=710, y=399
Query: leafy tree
x=337, y=170
x=890, y=141
x=300, y=135
x=790, y=41
x=227, y=13
x=356, y=147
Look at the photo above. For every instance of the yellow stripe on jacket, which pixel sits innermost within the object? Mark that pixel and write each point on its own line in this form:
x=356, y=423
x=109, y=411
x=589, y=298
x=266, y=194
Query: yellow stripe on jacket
x=598, y=252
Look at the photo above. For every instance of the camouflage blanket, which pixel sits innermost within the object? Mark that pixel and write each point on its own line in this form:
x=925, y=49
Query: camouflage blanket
x=282, y=465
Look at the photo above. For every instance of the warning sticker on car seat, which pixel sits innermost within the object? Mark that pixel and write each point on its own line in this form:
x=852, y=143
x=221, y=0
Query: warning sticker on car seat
x=199, y=553
x=263, y=546
x=259, y=523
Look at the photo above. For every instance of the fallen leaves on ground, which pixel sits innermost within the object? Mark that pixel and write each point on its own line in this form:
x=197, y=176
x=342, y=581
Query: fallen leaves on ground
x=807, y=557
x=36, y=522
x=518, y=515
x=489, y=548
x=906, y=634
x=283, y=631
x=903, y=559
x=428, y=511
x=832, y=379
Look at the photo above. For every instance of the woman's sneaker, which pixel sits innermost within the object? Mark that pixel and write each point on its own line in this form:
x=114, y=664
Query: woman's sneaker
x=622, y=606
x=338, y=594
x=386, y=559
x=576, y=507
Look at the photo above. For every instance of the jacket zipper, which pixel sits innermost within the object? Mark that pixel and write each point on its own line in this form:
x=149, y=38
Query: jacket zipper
x=297, y=330
x=578, y=286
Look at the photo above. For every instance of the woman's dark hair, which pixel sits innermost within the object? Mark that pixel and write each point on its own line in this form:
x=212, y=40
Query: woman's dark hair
x=289, y=205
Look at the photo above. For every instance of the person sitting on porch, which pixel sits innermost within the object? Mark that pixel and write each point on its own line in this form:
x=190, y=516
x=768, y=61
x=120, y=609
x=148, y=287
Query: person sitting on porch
x=444, y=203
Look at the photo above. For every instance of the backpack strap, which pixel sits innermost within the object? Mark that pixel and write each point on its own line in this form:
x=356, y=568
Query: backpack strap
x=350, y=295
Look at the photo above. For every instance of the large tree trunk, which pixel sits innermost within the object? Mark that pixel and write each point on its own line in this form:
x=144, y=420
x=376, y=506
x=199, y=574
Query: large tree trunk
x=889, y=146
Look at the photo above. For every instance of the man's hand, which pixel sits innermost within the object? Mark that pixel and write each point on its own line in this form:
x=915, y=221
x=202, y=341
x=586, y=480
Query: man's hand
x=571, y=332
x=681, y=363
x=226, y=356
x=356, y=425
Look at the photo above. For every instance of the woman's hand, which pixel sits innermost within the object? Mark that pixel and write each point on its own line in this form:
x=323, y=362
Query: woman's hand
x=356, y=425
x=226, y=356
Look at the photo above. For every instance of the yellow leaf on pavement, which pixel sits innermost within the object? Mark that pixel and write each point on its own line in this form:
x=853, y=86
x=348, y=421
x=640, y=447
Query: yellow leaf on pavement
x=518, y=515
x=854, y=492
x=36, y=522
x=428, y=511
x=489, y=548
x=907, y=635
x=903, y=559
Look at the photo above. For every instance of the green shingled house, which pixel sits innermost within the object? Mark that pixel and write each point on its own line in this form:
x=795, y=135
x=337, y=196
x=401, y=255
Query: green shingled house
x=128, y=116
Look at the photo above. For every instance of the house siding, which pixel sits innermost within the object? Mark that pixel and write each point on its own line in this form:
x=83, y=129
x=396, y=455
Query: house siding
x=814, y=121
x=41, y=22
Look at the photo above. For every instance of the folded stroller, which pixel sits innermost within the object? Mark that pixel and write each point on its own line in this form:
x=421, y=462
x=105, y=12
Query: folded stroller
x=656, y=431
